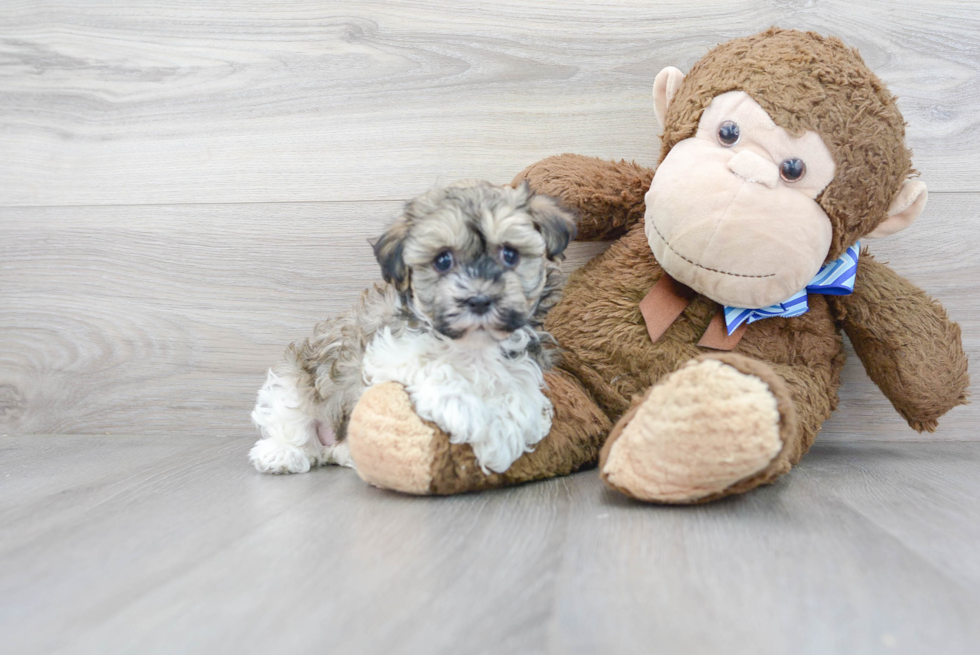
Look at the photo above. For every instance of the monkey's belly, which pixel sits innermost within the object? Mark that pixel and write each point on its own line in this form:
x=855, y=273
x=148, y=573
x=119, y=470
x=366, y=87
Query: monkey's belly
x=607, y=347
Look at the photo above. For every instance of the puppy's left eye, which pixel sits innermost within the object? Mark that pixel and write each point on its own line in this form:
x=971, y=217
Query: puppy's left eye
x=509, y=257
x=443, y=261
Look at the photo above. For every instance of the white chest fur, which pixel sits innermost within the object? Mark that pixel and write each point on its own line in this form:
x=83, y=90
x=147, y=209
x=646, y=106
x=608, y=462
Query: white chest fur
x=468, y=387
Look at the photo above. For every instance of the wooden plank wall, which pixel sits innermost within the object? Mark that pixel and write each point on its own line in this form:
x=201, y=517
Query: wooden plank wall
x=185, y=187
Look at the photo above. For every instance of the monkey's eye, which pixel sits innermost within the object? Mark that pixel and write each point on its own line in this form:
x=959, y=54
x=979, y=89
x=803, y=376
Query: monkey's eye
x=728, y=134
x=509, y=257
x=443, y=261
x=792, y=170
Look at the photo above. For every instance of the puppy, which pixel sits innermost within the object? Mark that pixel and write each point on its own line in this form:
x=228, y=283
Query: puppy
x=470, y=271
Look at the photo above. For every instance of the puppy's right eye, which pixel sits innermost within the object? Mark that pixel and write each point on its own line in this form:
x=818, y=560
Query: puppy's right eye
x=509, y=256
x=443, y=261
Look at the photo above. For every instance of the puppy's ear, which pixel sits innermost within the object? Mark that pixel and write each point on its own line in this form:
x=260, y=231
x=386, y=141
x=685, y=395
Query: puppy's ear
x=389, y=251
x=556, y=225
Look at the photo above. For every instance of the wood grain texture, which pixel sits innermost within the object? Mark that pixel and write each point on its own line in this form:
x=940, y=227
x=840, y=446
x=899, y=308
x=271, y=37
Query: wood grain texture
x=163, y=319
x=186, y=187
x=141, y=545
x=171, y=101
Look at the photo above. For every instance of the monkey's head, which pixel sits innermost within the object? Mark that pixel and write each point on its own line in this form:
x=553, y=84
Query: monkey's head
x=780, y=150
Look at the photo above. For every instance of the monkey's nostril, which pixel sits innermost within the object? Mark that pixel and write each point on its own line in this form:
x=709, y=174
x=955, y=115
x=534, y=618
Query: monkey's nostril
x=479, y=305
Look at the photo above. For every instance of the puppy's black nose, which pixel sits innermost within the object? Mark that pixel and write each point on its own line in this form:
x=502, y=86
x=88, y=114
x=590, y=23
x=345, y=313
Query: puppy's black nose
x=479, y=305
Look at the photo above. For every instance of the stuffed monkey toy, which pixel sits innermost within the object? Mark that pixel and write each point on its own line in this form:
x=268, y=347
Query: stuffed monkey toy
x=702, y=351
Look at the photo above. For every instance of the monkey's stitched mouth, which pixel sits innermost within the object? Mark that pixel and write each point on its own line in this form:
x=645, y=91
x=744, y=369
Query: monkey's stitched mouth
x=694, y=263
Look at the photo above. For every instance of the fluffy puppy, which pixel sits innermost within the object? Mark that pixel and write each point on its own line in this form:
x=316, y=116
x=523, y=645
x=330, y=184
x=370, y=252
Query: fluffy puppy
x=470, y=271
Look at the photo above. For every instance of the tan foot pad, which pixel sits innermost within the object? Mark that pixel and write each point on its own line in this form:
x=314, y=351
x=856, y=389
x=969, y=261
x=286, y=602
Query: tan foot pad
x=390, y=445
x=702, y=429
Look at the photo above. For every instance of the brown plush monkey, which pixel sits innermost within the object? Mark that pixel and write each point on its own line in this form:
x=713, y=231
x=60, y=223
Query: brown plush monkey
x=708, y=332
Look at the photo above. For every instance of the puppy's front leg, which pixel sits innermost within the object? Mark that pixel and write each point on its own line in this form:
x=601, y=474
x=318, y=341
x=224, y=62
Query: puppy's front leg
x=289, y=442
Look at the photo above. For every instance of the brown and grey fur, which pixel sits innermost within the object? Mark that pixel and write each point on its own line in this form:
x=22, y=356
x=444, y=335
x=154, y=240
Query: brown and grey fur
x=472, y=219
x=909, y=347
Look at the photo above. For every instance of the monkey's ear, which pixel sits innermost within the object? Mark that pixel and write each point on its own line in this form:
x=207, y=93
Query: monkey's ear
x=389, y=251
x=664, y=87
x=556, y=225
x=906, y=206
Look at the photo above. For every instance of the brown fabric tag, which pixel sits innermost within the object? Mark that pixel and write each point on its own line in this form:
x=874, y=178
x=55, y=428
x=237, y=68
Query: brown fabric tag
x=663, y=304
x=716, y=336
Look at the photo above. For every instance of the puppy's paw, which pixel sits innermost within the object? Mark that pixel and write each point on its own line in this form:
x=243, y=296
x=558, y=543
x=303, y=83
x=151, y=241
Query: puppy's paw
x=339, y=455
x=271, y=456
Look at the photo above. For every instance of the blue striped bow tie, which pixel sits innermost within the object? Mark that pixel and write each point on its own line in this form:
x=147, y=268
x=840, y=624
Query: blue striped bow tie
x=835, y=278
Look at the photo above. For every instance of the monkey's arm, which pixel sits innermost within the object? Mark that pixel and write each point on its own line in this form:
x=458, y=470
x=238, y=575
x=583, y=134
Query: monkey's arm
x=606, y=195
x=911, y=350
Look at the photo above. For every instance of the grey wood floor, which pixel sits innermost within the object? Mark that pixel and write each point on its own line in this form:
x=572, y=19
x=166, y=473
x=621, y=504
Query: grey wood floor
x=123, y=544
x=185, y=187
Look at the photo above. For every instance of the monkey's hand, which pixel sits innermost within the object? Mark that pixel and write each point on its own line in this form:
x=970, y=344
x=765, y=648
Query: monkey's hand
x=607, y=196
x=911, y=350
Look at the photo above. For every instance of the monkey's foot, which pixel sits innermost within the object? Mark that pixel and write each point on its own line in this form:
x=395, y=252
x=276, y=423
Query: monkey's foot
x=391, y=446
x=394, y=449
x=710, y=429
